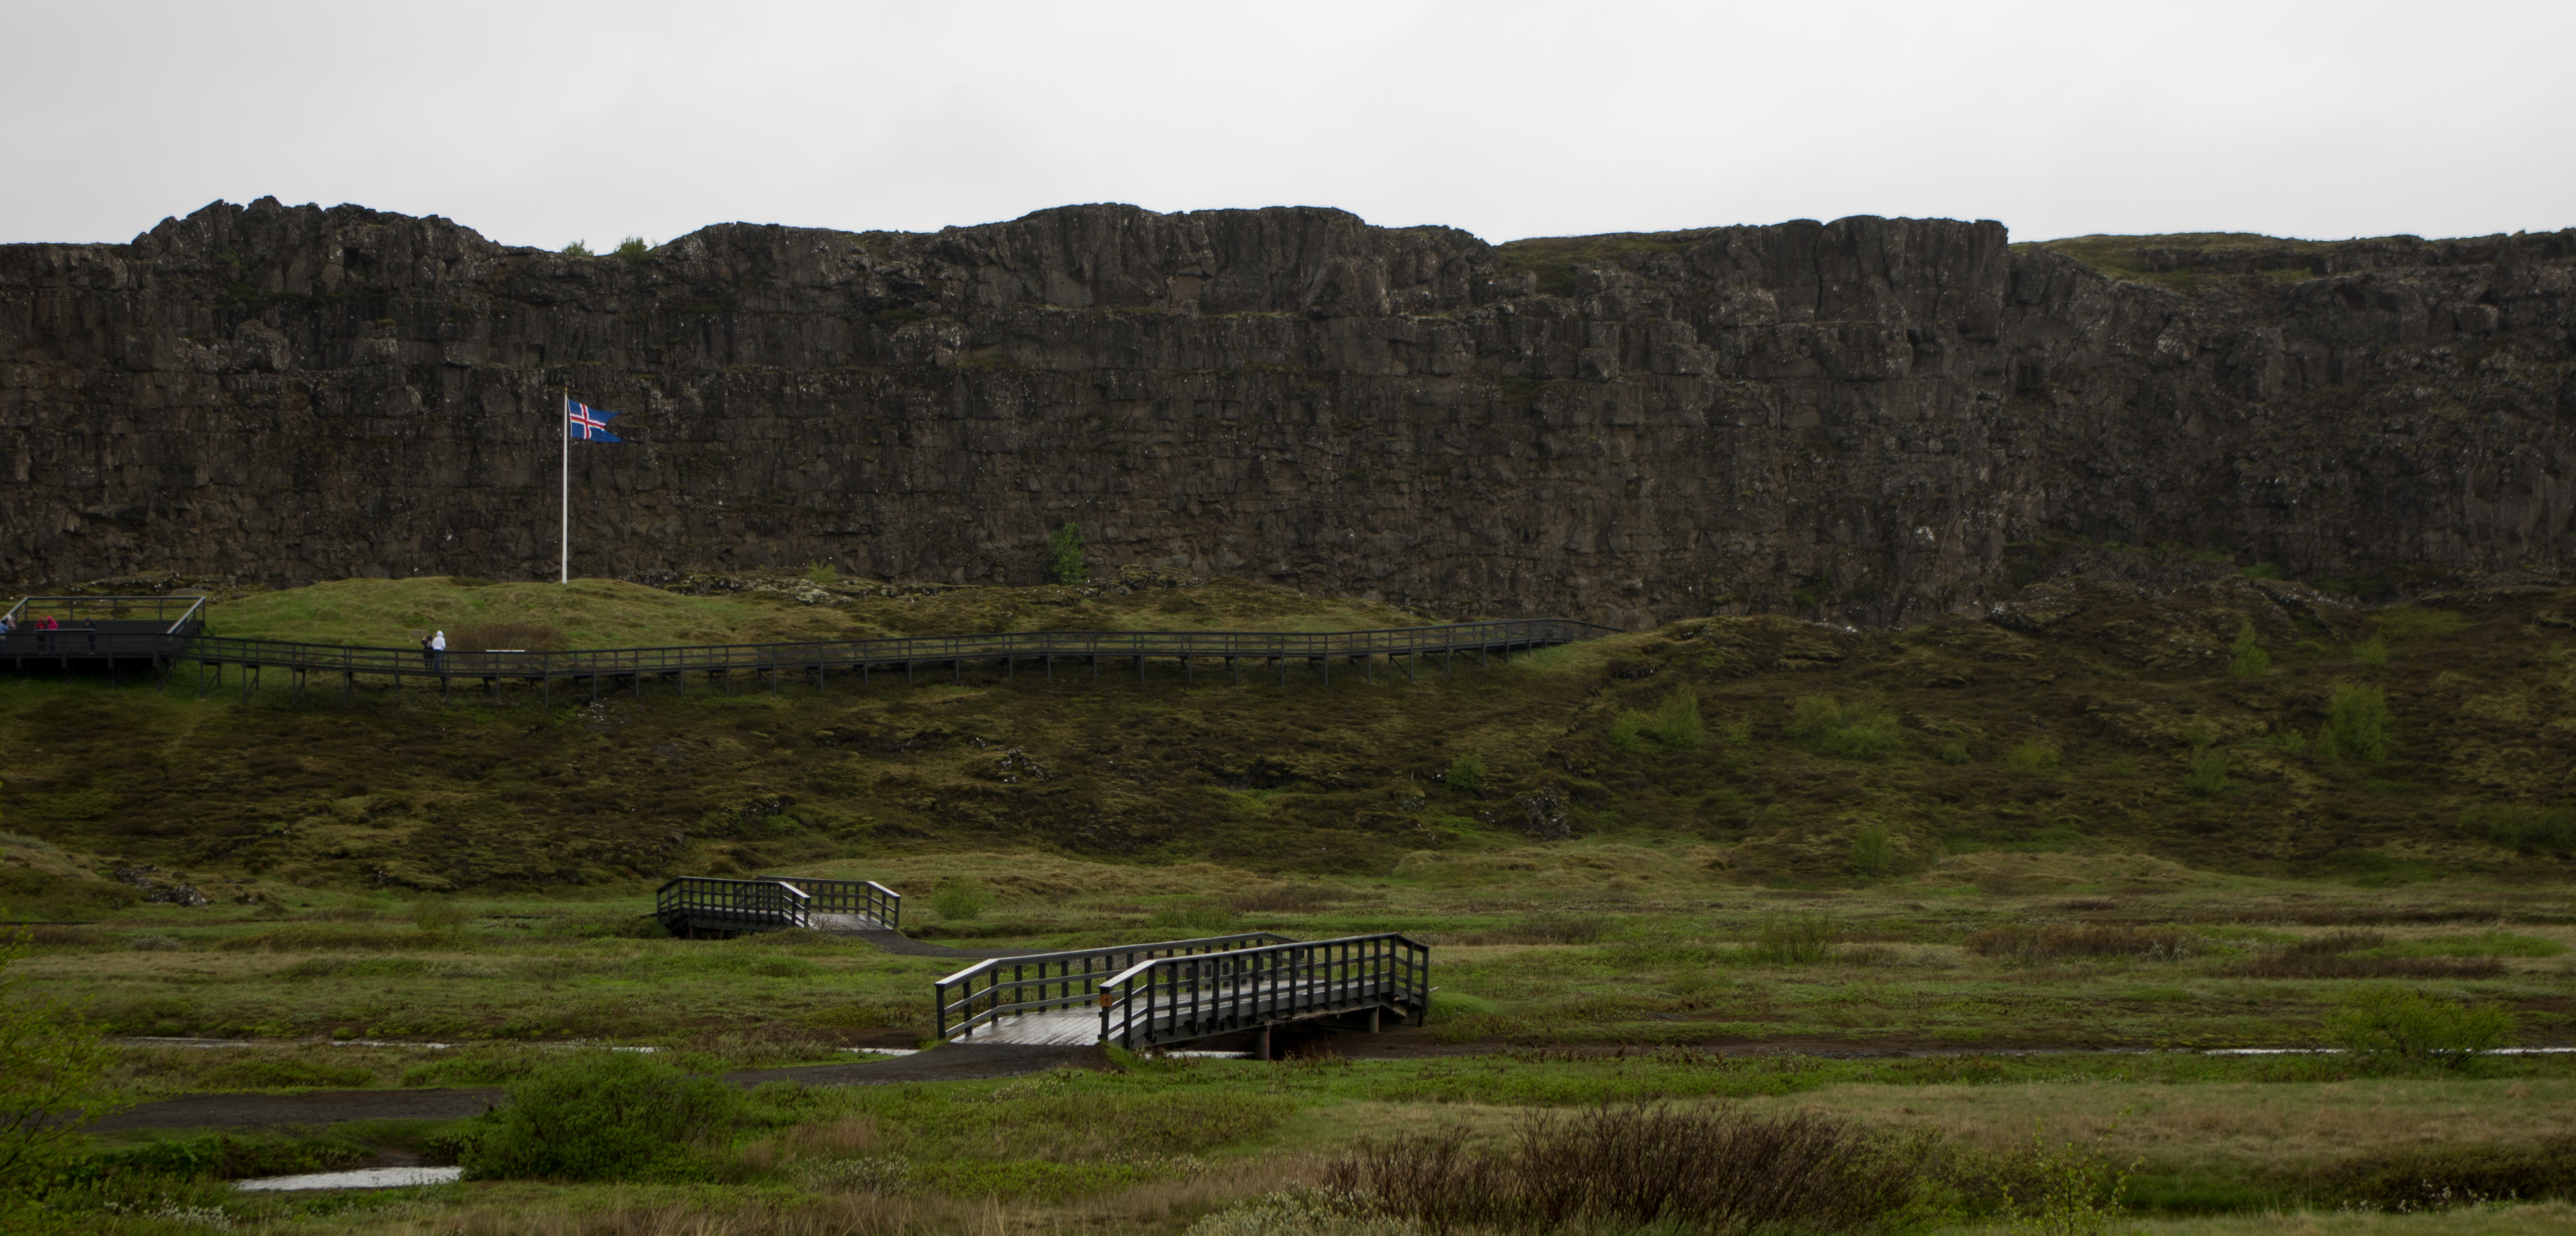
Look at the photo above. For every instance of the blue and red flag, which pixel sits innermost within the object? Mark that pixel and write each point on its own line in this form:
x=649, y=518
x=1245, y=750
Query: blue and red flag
x=587, y=424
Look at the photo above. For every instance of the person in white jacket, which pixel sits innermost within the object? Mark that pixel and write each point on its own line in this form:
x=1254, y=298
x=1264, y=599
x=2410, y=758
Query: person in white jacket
x=437, y=648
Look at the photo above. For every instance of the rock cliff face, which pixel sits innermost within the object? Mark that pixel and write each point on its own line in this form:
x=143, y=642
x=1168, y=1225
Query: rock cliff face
x=1851, y=420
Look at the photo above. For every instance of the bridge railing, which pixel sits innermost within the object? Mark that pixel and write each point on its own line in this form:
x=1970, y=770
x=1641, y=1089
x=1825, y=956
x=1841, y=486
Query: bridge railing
x=1174, y=999
x=865, y=898
x=988, y=991
x=711, y=901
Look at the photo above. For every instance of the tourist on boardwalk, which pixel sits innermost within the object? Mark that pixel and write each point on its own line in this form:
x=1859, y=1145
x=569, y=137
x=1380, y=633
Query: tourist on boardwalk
x=437, y=648
x=45, y=627
x=8, y=626
x=92, y=627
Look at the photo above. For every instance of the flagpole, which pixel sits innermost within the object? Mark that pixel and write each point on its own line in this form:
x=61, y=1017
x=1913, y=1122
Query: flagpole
x=563, y=429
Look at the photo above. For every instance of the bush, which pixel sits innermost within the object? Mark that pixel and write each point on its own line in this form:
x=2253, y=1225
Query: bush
x=2290, y=740
x=1467, y=772
x=2200, y=734
x=2434, y=1177
x=2372, y=652
x=2043, y=942
x=1064, y=555
x=959, y=900
x=1954, y=753
x=1203, y=917
x=52, y=1063
x=438, y=914
x=1872, y=853
x=2067, y=1190
x=2389, y=1025
x=1625, y=728
x=633, y=249
x=1795, y=940
x=600, y=1115
x=822, y=573
x=2251, y=661
x=578, y=248
x=2528, y=829
x=1305, y=1212
x=2290, y=963
x=1618, y=1168
x=2031, y=757
x=1677, y=720
x=1857, y=731
x=2208, y=773
x=2357, y=721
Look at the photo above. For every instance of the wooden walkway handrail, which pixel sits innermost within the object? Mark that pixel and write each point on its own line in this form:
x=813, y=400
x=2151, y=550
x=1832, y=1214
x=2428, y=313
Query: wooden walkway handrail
x=1003, y=986
x=1175, y=999
x=816, y=659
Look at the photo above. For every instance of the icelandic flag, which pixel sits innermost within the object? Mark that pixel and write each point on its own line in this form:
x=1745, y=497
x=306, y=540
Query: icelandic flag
x=587, y=424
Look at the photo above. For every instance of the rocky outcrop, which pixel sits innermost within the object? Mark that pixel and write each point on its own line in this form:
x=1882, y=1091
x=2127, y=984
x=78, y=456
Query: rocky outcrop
x=1856, y=420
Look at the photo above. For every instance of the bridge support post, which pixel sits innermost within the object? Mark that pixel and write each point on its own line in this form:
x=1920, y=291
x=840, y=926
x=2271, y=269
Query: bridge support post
x=1140, y=667
x=822, y=679
x=546, y=691
x=1324, y=666
x=248, y=673
x=1235, y=667
x=294, y=695
x=907, y=672
x=680, y=683
x=1368, y=668
x=201, y=678
x=1264, y=1051
x=957, y=670
x=773, y=682
x=1280, y=664
x=1095, y=666
x=1411, y=659
x=1189, y=671
x=445, y=682
x=1373, y=1019
x=594, y=687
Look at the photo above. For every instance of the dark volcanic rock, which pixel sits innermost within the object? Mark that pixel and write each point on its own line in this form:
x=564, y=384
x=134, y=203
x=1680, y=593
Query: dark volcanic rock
x=1855, y=419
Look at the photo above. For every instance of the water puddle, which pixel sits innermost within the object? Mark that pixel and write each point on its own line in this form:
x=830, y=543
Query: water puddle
x=364, y=1178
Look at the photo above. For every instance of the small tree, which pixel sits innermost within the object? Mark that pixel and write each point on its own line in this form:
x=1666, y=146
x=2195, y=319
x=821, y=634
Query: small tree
x=1677, y=720
x=2251, y=661
x=1064, y=553
x=598, y=1115
x=1467, y=772
x=2208, y=772
x=51, y=1061
x=2391, y=1024
x=633, y=249
x=1872, y=851
x=959, y=900
x=2357, y=720
x=578, y=248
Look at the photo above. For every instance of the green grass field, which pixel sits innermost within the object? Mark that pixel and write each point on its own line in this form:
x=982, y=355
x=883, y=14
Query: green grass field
x=1959, y=884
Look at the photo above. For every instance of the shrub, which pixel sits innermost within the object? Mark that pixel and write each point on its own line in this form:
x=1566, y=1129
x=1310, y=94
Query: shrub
x=600, y=1115
x=2372, y=652
x=2527, y=828
x=2407, y=622
x=1305, y=1212
x=2047, y=941
x=2031, y=757
x=1203, y=917
x=1872, y=853
x=2357, y=720
x=1735, y=733
x=438, y=914
x=2251, y=661
x=578, y=248
x=822, y=573
x=2208, y=773
x=633, y=249
x=51, y=1064
x=1625, y=728
x=2290, y=740
x=1619, y=1168
x=2290, y=963
x=2433, y=1177
x=1677, y=720
x=1857, y=731
x=1795, y=939
x=512, y=636
x=1954, y=753
x=959, y=900
x=1467, y=772
x=1064, y=555
x=2067, y=1190
x=2200, y=734
x=2394, y=1025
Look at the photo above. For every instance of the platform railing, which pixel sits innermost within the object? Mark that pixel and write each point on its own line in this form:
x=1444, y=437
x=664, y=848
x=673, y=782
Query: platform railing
x=732, y=905
x=1178, y=998
x=865, y=898
x=988, y=991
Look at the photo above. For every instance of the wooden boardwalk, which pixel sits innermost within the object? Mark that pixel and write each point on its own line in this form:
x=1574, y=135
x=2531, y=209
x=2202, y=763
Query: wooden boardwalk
x=1181, y=990
x=160, y=634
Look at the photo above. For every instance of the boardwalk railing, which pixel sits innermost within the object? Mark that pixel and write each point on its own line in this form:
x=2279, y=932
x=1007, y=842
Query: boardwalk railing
x=692, y=904
x=1401, y=647
x=989, y=991
x=138, y=615
x=1178, y=998
x=868, y=900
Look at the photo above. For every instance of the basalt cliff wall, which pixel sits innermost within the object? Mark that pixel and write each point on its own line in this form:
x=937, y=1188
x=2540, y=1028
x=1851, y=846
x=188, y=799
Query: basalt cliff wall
x=1855, y=420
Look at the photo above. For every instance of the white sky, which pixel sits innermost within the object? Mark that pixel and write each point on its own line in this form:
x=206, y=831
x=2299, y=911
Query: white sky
x=539, y=123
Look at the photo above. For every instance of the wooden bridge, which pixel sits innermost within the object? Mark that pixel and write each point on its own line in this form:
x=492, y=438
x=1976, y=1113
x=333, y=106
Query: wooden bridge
x=695, y=906
x=159, y=634
x=1176, y=991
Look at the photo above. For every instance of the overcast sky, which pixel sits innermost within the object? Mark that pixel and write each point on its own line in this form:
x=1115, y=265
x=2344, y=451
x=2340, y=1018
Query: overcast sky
x=539, y=123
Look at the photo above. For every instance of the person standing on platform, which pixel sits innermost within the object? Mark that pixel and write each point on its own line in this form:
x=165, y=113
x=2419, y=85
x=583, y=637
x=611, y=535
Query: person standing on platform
x=437, y=648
